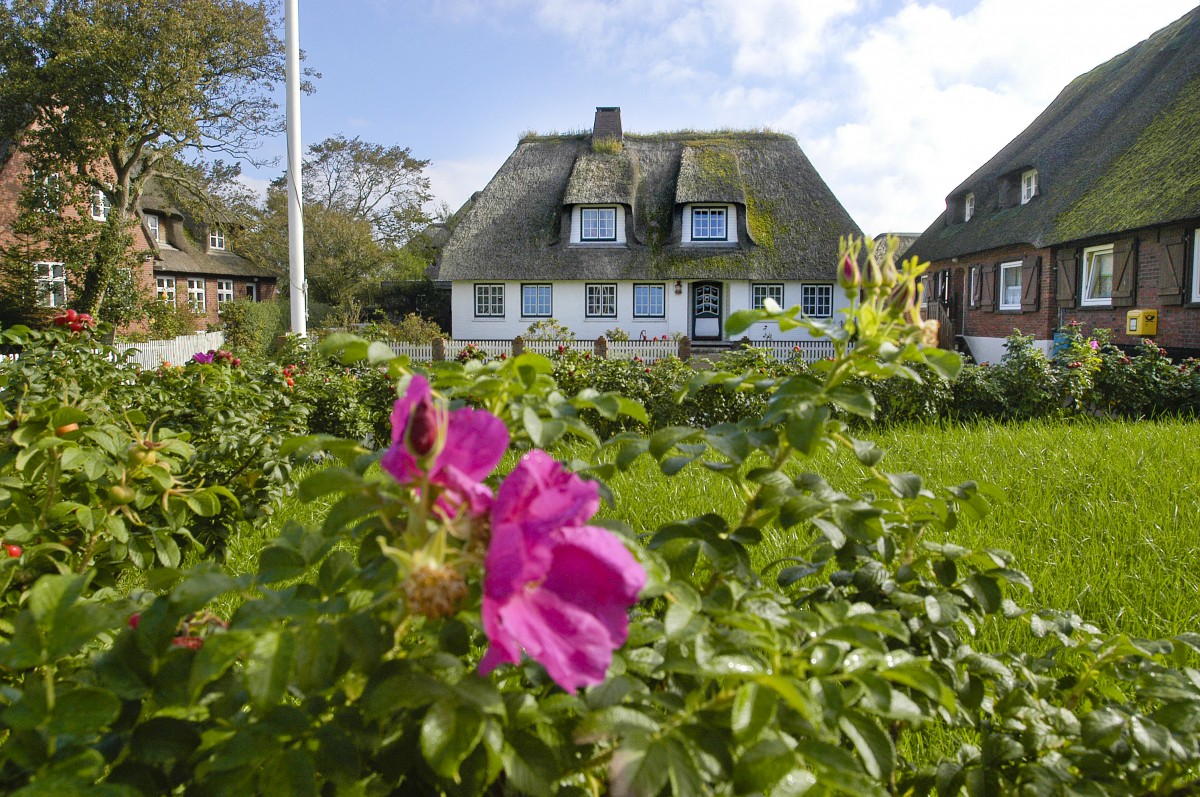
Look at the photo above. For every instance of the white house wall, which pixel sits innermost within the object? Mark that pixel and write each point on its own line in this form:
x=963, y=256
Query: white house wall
x=568, y=307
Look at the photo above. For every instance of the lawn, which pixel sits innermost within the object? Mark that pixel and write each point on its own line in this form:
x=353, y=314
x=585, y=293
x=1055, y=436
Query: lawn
x=1104, y=517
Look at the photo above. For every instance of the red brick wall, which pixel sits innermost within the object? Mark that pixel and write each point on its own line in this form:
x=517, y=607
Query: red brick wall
x=981, y=322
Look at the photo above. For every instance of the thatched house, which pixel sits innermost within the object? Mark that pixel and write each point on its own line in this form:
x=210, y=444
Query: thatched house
x=651, y=234
x=1090, y=213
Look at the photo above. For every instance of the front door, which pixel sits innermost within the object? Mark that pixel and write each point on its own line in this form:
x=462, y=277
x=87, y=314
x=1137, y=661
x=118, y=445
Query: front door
x=706, y=311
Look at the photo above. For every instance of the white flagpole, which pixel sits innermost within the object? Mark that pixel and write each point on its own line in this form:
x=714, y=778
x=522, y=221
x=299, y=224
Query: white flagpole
x=298, y=290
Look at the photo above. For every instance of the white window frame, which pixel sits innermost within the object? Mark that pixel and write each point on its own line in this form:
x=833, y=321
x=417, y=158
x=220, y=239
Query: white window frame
x=489, y=301
x=761, y=291
x=152, y=224
x=252, y=291
x=1090, y=256
x=602, y=222
x=48, y=276
x=968, y=207
x=816, y=300
x=600, y=300
x=972, y=283
x=649, y=300
x=224, y=293
x=537, y=300
x=1029, y=185
x=1196, y=265
x=164, y=289
x=196, y=296
x=710, y=215
x=216, y=239
x=1005, y=303
x=101, y=207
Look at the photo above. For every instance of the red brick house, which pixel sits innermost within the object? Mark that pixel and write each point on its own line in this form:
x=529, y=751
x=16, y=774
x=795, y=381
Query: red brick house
x=185, y=260
x=1091, y=212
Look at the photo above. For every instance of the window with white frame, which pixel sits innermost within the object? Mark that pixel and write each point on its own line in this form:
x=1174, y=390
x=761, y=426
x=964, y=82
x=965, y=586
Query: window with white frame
x=601, y=301
x=165, y=288
x=708, y=224
x=252, y=292
x=51, y=279
x=1010, y=285
x=489, y=301
x=152, y=227
x=101, y=207
x=648, y=301
x=1097, y=276
x=195, y=289
x=216, y=239
x=535, y=301
x=968, y=207
x=816, y=301
x=973, y=286
x=1196, y=265
x=1029, y=185
x=760, y=293
x=224, y=293
x=47, y=192
x=597, y=224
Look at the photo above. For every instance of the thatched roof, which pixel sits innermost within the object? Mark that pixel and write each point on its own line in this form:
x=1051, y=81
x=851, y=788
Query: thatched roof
x=1115, y=151
x=184, y=241
x=517, y=228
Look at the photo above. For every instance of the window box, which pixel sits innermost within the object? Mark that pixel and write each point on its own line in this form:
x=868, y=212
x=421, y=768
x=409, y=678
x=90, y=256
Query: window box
x=760, y=293
x=600, y=301
x=1010, y=285
x=1097, y=276
x=535, y=301
x=649, y=300
x=489, y=301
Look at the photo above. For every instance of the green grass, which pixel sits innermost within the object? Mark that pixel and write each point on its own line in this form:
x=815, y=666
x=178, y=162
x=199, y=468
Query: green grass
x=1104, y=517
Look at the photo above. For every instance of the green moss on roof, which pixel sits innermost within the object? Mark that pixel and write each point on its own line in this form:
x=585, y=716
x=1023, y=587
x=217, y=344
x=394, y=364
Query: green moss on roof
x=761, y=221
x=1154, y=181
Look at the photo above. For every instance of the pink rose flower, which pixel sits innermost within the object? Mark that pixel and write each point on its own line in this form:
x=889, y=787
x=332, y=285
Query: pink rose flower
x=203, y=357
x=554, y=587
x=457, y=450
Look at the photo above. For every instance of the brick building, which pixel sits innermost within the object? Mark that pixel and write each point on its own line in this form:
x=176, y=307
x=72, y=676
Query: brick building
x=184, y=260
x=1092, y=211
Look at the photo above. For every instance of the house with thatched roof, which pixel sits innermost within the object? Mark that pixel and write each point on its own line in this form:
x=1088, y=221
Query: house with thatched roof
x=651, y=234
x=1092, y=212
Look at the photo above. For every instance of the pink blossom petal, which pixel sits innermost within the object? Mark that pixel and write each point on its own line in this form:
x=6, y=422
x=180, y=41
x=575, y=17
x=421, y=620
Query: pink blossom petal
x=592, y=569
x=541, y=495
x=475, y=442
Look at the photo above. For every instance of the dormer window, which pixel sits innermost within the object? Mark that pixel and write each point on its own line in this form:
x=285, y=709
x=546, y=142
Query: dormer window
x=708, y=224
x=216, y=239
x=968, y=207
x=152, y=227
x=598, y=224
x=101, y=207
x=1029, y=185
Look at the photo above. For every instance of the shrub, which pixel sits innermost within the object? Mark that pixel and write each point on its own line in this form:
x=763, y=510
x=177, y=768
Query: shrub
x=252, y=327
x=168, y=320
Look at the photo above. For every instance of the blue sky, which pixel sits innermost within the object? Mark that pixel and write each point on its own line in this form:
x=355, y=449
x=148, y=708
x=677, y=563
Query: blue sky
x=894, y=102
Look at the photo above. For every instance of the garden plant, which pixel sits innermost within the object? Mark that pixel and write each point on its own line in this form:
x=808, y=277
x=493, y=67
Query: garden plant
x=460, y=623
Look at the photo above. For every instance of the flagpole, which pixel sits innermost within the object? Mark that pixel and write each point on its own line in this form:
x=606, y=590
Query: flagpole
x=298, y=289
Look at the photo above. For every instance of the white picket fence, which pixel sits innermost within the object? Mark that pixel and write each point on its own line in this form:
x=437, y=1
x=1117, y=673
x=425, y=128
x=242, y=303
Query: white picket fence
x=785, y=350
x=153, y=353
x=648, y=350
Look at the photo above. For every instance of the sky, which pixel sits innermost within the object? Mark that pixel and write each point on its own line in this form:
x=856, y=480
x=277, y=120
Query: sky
x=894, y=102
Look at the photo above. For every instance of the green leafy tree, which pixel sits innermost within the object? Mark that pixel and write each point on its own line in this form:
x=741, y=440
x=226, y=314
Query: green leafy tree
x=106, y=94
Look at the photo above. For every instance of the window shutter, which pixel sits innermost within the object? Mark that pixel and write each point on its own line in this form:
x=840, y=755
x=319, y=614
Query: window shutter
x=987, y=289
x=1124, y=272
x=1066, y=292
x=1171, y=269
x=1031, y=283
x=976, y=286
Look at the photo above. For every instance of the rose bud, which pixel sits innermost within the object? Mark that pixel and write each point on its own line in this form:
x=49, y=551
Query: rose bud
x=849, y=276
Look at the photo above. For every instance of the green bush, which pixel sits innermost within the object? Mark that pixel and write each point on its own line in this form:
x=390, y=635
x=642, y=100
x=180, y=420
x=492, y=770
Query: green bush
x=251, y=328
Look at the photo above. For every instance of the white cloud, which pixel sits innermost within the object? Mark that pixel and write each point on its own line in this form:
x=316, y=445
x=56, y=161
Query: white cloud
x=257, y=185
x=453, y=181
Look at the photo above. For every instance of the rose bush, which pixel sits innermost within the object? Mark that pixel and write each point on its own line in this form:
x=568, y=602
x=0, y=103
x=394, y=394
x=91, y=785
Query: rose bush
x=352, y=661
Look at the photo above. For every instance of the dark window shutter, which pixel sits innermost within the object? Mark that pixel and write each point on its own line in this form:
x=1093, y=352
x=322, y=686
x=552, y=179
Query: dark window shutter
x=1066, y=292
x=1172, y=268
x=976, y=286
x=1031, y=283
x=1124, y=272
x=987, y=289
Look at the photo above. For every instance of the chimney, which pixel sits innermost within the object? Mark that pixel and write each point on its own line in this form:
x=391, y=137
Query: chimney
x=608, y=124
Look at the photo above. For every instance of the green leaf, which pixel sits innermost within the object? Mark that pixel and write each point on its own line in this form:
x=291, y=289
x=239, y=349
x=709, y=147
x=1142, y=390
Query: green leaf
x=268, y=667
x=874, y=746
x=753, y=711
x=946, y=363
x=806, y=428
x=640, y=767
x=867, y=452
x=449, y=732
x=762, y=766
x=330, y=480
x=664, y=440
x=349, y=348
x=739, y=321
x=83, y=710
x=530, y=765
x=216, y=656
x=379, y=353
x=854, y=399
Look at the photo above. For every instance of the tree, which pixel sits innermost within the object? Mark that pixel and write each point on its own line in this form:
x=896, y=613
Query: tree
x=106, y=94
x=384, y=185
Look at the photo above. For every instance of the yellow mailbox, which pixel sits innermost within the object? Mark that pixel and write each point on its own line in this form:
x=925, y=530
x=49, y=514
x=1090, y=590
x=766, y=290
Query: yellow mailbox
x=1143, y=323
